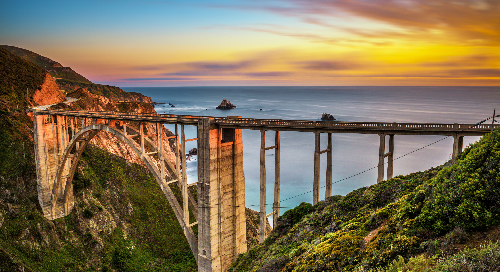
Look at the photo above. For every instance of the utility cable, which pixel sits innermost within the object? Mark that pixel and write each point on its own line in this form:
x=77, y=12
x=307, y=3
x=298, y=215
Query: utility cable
x=369, y=169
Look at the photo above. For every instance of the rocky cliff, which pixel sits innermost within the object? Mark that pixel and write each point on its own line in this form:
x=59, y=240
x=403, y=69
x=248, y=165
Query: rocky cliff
x=48, y=93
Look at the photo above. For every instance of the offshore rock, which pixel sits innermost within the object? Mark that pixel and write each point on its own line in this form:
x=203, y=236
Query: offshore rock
x=327, y=117
x=225, y=105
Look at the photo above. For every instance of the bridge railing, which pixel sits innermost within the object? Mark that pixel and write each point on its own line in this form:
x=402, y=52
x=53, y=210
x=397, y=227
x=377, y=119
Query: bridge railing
x=273, y=123
x=354, y=125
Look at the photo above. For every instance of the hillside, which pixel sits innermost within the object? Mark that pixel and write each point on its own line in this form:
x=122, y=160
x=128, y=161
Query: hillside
x=17, y=77
x=419, y=222
x=69, y=81
x=121, y=220
x=116, y=223
x=54, y=68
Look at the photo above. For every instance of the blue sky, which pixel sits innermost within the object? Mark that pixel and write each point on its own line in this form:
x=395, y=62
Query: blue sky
x=289, y=42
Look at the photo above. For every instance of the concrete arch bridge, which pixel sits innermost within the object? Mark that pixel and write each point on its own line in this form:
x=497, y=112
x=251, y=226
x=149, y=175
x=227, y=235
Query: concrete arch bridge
x=219, y=210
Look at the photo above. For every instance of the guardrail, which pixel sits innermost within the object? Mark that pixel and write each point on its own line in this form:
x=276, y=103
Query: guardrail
x=274, y=123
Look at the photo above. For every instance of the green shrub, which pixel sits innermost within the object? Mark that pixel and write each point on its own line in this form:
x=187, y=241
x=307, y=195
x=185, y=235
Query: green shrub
x=486, y=258
x=415, y=264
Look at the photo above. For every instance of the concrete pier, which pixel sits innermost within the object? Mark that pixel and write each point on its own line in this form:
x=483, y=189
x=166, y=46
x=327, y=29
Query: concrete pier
x=221, y=197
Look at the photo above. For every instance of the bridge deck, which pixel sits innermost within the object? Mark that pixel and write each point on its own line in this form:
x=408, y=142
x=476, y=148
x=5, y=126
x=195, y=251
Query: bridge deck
x=294, y=125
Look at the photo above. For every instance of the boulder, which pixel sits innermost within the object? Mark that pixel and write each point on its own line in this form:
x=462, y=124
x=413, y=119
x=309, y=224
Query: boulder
x=225, y=105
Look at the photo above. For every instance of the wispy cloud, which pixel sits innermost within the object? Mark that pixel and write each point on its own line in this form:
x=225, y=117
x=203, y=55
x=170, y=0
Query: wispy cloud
x=465, y=21
x=479, y=60
x=268, y=74
x=316, y=65
x=157, y=78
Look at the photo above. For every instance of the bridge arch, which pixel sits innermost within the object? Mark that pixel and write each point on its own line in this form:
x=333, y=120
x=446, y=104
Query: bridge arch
x=63, y=189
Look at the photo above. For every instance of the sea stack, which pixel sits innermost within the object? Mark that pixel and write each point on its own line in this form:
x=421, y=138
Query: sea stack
x=225, y=105
x=327, y=117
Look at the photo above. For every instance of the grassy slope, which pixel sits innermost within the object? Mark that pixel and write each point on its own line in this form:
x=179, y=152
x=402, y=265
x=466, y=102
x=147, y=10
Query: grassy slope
x=431, y=212
x=54, y=68
x=17, y=75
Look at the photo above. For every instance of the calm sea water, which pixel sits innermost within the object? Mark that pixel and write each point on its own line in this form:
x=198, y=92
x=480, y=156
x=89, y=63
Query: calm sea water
x=352, y=153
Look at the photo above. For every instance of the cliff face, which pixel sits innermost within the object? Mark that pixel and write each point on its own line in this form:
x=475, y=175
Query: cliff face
x=48, y=93
x=93, y=102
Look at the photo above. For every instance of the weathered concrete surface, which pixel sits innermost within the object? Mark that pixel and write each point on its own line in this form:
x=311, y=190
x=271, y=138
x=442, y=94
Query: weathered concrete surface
x=221, y=197
x=50, y=137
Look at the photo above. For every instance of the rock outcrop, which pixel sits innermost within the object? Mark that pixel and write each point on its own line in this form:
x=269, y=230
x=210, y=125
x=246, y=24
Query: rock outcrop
x=327, y=117
x=253, y=227
x=225, y=105
x=93, y=102
x=48, y=93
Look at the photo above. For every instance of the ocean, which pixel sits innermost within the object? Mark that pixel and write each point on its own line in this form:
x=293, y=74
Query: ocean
x=352, y=153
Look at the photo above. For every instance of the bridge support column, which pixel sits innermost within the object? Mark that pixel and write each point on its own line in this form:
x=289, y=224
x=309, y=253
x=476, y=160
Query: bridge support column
x=390, y=157
x=263, y=185
x=221, y=196
x=263, y=218
x=458, y=142
x=51, y=139
x=316, y=167
x=382, y=155
x=277, y=179
x=329, y=180
x=381, y=152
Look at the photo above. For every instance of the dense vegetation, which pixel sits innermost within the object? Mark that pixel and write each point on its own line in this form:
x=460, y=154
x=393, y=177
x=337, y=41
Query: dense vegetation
x=54, y=68
x=121, y=220
x=425, y=218
x=16, y=77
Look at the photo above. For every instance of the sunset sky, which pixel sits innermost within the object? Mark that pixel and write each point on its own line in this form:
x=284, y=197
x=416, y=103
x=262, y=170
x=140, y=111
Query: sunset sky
x=289, y=42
